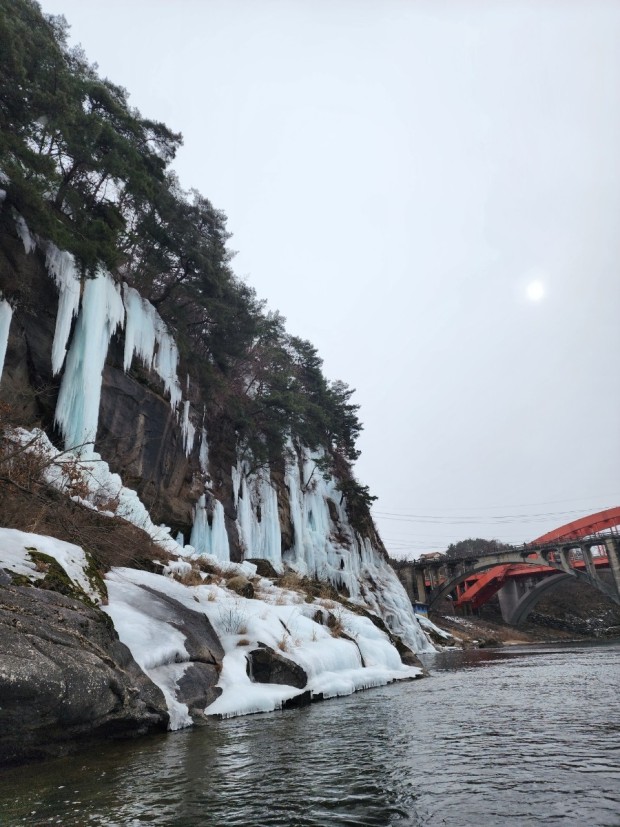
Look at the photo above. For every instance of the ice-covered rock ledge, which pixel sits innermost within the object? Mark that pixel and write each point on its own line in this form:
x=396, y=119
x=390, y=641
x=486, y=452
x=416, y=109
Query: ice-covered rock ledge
x=339, y=651
x=187, y=630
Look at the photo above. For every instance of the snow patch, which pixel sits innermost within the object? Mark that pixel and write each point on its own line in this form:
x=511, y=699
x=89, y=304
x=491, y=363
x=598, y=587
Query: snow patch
x=103, y=486
x=14, y=557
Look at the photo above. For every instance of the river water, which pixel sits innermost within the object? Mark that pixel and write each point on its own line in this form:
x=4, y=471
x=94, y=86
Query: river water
x=515, y=736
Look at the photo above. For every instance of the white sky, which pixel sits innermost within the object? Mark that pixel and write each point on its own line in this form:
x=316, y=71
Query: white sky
x=396, y=173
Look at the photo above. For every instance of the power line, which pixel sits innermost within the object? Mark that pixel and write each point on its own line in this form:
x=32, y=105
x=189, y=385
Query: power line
x=615, y=495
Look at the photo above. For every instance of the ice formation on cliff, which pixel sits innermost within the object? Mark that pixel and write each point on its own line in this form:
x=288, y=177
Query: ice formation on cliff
x=210, y=539
x=147, y=337
x=61, y=267
x=24, y=233
x=324, y=545
x=77, y=409
x=258, y=521
x=6, y=314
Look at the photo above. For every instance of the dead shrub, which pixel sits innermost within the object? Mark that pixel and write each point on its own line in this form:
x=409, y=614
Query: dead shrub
x=292, y=581
x=335, y=623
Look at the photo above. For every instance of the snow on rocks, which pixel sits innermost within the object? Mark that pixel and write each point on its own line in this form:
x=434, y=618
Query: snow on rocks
x=15, y=548
x=280, y=619
x=103, y=489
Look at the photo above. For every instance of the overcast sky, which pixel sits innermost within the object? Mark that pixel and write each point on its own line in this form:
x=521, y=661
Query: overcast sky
x=403, y=180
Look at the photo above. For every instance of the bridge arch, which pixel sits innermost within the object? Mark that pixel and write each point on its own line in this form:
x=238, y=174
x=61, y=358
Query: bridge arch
x=485, y=565
x=530, y=599
x=535, y=558
x=583, y=527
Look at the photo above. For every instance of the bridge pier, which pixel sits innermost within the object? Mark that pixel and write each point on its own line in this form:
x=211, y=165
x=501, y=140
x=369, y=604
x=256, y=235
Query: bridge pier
x=565, y=560
x=508, y=599
x=510, y=596
x=611, y=545
x=586, y=551
x=420, y=580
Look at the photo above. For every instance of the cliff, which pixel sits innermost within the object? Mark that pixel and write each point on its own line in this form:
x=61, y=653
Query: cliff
x=162, y=433
x=91, y=394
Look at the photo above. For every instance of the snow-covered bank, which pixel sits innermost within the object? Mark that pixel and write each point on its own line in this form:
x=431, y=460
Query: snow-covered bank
x=339, y=650
x=358, y=657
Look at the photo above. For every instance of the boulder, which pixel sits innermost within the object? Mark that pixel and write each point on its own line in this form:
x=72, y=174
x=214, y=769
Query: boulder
x=267, y=666
x=241, y=585
x=65, y=677
x=263, y=567
x=197, y=687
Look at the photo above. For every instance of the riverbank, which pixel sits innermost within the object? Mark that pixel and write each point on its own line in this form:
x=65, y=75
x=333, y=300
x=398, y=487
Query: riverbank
x=481, y=633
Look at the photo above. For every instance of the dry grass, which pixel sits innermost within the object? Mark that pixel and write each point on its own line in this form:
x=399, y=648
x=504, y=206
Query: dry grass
x=190, y=577
x=284, y=644
x=335, y=623
x=29, y=504
x=293, y=581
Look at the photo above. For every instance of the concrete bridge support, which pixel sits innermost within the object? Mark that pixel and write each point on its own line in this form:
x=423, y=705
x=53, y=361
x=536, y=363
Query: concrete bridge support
x=586, y=551
x=613, y=556
x=421, y=586
x=510, y=595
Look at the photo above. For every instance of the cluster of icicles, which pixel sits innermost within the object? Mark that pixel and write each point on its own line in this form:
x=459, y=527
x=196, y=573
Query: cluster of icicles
x=101, y=308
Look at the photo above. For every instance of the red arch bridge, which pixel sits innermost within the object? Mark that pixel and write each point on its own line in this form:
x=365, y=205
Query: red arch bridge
x=520, y=576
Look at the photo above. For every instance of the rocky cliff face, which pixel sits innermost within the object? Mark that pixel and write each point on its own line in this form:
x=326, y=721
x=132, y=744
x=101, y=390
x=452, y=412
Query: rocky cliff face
x=91, y=377
x=65, y=676
x=130, y=395
x=138, y=432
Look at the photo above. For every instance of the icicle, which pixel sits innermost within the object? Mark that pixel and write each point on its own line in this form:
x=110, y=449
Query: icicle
x=6, y=314
x=188, y=430
x=139, y=328
x=210, y=539
x=219, y=535
x=24, y=233
x=61, y=267
x=262, y=537
x=203, y=455
x=147, y=336
x=77, y=410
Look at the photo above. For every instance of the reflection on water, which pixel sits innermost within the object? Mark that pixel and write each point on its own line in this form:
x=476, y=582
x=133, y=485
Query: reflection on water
x=521, y=736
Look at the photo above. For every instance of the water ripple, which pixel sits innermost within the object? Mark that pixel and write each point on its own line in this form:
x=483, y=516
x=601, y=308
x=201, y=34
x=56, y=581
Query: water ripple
x=513, y=737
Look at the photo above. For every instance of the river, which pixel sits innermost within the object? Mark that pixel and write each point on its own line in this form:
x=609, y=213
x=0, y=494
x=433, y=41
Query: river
x=515, y=736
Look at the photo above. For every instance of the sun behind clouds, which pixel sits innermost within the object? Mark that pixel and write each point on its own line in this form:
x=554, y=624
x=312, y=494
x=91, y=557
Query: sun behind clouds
x=535, y=291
